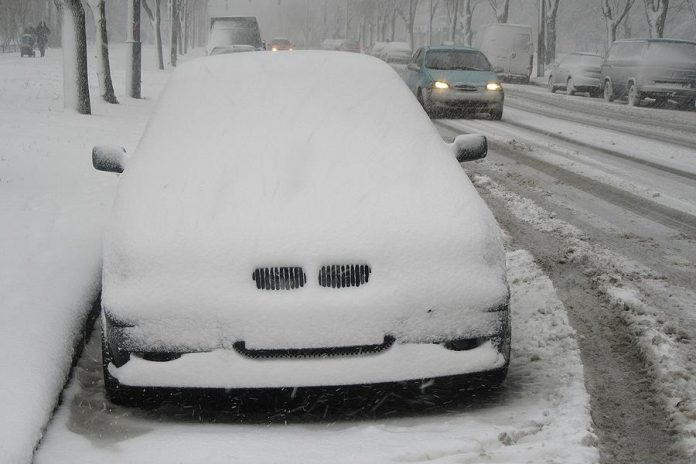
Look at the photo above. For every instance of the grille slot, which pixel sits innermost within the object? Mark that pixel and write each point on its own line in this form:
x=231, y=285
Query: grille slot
x=279, y=278
x=344, y=275
x=339, y=351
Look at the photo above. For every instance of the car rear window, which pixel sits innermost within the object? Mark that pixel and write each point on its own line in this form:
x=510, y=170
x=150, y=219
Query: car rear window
x=457, y=59
x=234, y=34
x=671, y=52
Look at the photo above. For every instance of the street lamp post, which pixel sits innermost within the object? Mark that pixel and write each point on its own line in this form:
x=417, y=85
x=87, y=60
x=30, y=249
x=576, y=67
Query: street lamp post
x=541, y=39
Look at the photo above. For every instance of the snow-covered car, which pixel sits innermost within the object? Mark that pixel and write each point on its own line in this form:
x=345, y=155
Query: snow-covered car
x=577, y=72
x=346, y=246
x=396, y=53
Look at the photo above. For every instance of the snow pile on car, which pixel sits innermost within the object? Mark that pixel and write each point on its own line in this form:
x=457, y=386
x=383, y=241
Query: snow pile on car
x=301, y=160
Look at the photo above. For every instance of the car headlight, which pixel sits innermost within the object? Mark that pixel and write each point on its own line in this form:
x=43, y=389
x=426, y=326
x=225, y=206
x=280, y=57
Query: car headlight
x=494, y=86
x=441, y=85
x=274, y=49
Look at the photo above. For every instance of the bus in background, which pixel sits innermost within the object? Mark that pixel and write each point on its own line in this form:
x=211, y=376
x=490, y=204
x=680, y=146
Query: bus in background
x=509, y=48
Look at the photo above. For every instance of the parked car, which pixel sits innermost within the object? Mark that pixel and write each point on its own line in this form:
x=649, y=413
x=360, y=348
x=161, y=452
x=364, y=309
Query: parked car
x=396, y=53
x=231, y=31
x=659, y=69
x=349, y=248
x=377, y=49
x=577, y=72
x=280, y=44
x=341, y=45
x=509, y=48
x=455, y=79
x=26, y=45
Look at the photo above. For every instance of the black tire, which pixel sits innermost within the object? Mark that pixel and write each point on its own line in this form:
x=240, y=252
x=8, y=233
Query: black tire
x=688, y=104
x=570, y=87
x=634, y=97
x=496, y=115
x=552, y=88
x=608, y=92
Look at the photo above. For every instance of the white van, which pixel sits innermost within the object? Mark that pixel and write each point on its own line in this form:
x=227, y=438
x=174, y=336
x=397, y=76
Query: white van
x=232, y=32
x=509, y=48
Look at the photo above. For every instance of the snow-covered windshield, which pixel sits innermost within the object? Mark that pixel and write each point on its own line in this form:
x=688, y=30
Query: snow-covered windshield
x=464, y=60
x=671, y=52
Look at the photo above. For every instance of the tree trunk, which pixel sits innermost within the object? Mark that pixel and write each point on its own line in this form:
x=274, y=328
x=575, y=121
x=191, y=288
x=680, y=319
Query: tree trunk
x=74, y=44
x=454, y=19
x=155, y=17
x=656, y=14
x=174, y=32
x=106, y=86
x=468, y=16
x=551, y=15
x=502, y=11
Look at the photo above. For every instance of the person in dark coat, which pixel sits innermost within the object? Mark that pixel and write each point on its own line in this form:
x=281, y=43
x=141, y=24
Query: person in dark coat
x=42, y=32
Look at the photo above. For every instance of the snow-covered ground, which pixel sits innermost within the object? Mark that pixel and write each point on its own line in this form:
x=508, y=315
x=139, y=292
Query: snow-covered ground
x=541, y=415
x=53, y=206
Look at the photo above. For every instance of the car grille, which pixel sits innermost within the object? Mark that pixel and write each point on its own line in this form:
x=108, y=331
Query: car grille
x=344, y=275
x=358, y=350
x=279, y=278
x=465, y=87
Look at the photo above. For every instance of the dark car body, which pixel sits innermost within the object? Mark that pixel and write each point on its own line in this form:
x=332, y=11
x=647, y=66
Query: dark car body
x=577, y=72
x=26, y=45
x=654, y=68
x=280, y=44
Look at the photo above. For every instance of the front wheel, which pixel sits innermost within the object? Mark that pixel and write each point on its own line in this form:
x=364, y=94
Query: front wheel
x=570, y=87
x=633, y=95
x=608, y=92
x=688, y=104
x=552, y=87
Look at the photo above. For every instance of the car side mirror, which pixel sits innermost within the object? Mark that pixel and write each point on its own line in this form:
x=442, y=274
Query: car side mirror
x=109, y=158
x=413, y=67
x=469, y=147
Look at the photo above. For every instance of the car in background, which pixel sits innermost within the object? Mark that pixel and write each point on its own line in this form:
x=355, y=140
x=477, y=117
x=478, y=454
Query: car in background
x=341, y=45
x=26, y=45
x=396, y=53
x=230, y=49
x=278, y=44
x=509, y=47
x=231, y=31
x=660, y=69
x=451, y=80
x=377, y=49
x=577, y=72
x=234, y=268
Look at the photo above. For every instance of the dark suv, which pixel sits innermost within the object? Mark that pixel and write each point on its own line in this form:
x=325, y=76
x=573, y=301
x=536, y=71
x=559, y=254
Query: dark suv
x=654, y=68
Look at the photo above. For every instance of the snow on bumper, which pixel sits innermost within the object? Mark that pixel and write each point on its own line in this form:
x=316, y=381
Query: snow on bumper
x=229, y=369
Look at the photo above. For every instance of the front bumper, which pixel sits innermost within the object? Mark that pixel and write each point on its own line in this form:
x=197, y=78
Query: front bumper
x=229, y=369
x=669, y=90
x=453, y=98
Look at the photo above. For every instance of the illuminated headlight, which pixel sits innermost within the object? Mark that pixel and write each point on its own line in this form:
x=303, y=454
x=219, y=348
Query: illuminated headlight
x=441, y=85
x=274, y=49
x=494, y=86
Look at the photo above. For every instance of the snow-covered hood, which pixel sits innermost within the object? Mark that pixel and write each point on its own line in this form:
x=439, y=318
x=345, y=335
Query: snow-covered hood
x=303, y=159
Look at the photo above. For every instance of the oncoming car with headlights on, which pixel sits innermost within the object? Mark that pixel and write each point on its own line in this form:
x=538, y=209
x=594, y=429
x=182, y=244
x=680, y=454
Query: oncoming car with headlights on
x=348, y=247
x=450, y=80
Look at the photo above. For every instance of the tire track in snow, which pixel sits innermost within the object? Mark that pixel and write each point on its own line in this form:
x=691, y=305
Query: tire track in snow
x=669, y=217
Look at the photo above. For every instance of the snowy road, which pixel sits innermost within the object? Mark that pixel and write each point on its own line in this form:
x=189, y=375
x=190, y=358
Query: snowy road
x=606, y=205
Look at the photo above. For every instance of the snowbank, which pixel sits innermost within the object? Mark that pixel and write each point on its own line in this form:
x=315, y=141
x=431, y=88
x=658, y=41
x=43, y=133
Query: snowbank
x=542, y=415
x=53, y=206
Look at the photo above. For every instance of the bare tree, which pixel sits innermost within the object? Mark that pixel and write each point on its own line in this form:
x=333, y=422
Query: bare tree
x=407, y=10
x=615, y=12
x=155, y=16
x=106, y=86
x=433, y=7
x=174, y=32
x=74, y=44
x=551, y=15
x=461, y=13
x=656, y=14
x=501, y=9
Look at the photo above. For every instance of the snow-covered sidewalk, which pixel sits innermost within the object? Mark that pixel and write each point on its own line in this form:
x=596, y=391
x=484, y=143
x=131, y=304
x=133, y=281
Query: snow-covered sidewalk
x=53, y=205
x=542, y=414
